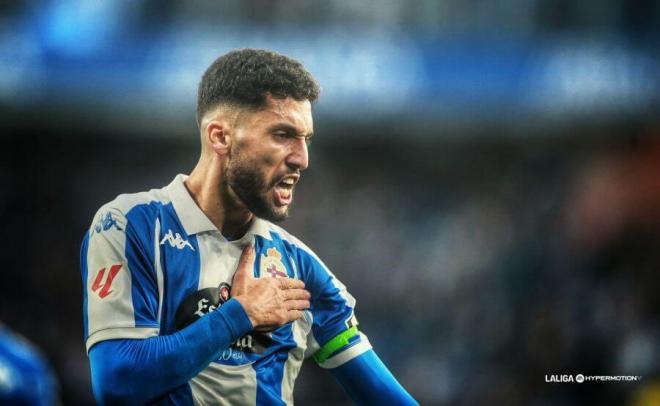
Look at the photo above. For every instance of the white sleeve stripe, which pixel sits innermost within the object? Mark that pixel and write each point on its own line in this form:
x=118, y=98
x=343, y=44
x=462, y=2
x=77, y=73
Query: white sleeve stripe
x=121, y=332
x=115, y=308
x=343, y=357
x=296, y=275
x=159, y=271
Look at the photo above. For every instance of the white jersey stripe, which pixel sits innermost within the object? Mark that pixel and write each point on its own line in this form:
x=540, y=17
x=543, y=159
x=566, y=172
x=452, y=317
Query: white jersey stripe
x=236, y=384
x=109, y=299
x=159, y=270
x=300, y=330
x=218, y=259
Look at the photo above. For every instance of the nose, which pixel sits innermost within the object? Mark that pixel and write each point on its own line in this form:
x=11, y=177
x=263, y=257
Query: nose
x=298, y=157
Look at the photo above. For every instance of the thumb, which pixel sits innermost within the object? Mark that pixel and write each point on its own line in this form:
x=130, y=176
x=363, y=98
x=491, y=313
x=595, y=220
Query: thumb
x=245, y=266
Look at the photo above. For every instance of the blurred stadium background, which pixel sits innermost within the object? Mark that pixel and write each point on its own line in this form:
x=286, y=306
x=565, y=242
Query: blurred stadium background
x=485, y=176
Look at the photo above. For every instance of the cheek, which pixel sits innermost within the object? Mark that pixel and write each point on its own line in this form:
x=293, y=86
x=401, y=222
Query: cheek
x=266, y=168
x=271, y=162
x=267, y=160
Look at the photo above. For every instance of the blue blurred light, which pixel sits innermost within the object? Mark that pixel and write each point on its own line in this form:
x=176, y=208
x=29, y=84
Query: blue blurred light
x=78, y=28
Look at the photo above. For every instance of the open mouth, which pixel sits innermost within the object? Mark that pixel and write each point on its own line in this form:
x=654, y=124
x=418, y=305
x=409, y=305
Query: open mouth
x=284, y=190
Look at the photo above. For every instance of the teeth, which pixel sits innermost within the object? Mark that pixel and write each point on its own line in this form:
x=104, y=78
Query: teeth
x=288, y=181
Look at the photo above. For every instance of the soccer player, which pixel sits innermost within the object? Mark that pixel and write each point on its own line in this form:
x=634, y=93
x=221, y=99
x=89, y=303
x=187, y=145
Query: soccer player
x=192, y=295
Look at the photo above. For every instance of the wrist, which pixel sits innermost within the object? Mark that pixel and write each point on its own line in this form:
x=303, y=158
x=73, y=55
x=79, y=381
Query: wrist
x=238, y=318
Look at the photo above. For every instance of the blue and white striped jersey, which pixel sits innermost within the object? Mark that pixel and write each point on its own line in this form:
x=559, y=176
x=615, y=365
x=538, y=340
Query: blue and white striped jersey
x=145, y=253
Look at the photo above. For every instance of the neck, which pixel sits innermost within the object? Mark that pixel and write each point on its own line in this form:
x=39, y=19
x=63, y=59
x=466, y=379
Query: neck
x=208, y=188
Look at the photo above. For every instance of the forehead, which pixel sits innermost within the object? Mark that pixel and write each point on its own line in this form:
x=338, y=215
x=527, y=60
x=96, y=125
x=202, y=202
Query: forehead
x=289, y=111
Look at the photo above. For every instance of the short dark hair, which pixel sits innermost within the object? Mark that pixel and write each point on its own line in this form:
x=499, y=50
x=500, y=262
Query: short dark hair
x=245, y=77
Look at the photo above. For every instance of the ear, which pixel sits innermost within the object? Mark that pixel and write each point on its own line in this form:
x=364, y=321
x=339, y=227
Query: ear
x=218, y=136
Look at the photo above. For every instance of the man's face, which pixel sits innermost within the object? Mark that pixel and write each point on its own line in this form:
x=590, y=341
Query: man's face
x=268, y=154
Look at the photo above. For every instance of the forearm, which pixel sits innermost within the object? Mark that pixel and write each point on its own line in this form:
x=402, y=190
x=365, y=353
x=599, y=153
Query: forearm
x=368, y=382
x=134, y=371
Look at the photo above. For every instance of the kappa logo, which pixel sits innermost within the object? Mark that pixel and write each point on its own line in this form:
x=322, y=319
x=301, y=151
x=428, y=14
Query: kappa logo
x=272, y=263
x=105, y=286
x=105, y=222
x=176, y=241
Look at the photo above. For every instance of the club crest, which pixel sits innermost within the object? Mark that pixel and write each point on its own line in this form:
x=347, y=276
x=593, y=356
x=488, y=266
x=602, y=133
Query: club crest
x=271, y=264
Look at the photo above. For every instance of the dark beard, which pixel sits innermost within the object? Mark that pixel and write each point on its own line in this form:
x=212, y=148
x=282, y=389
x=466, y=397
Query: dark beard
x=248, y=184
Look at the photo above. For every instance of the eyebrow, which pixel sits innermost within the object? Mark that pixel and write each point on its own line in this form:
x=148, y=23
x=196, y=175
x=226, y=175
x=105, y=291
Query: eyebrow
x=290, y=129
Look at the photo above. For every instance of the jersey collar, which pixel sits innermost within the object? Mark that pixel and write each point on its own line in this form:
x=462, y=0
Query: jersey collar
x=194, y=220
x=191, y=216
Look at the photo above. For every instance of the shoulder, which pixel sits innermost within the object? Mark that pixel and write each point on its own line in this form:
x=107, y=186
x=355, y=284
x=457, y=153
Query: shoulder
x=129, y=207
x=275, y=232
x=294, y=245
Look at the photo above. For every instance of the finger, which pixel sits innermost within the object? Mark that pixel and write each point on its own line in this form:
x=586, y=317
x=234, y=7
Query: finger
x=293, y=315
x=296, y=304
x=286, y=283
x=296, y=294
x=245, y=265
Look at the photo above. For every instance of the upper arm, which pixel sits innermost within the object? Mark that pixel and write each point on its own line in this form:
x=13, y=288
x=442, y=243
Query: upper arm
x=120, y=290
x=334, y=338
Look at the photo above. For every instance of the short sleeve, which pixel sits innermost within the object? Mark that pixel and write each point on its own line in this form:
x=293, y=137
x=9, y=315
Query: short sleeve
x=334, y=338
x=120, y=290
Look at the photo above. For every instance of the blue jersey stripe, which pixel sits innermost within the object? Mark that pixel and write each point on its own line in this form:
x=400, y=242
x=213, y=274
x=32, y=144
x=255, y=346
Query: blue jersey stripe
x=83, y=271
x=269, y=369
x=270, y=372
x=181, y=268
x=329, y=309
x=140, y=257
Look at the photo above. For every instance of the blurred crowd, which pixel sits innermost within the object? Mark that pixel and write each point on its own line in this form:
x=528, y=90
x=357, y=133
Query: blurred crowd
x=515, y=16
x=482, y=269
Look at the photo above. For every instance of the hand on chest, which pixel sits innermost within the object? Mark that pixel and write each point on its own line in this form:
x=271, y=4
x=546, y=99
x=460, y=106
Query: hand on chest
x=219, y=260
